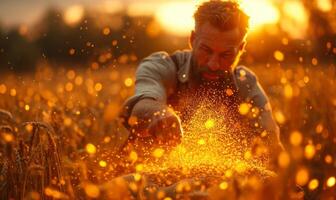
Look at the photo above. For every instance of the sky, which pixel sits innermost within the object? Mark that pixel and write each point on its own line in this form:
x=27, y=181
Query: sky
x=173, y=15
x=13, y=12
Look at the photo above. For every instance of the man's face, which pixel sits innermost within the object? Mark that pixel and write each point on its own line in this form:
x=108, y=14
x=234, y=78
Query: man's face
x=215, y=52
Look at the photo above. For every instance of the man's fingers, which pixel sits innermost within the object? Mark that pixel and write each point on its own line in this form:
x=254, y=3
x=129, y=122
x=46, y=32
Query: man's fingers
x=166, y=128
x=170, y=130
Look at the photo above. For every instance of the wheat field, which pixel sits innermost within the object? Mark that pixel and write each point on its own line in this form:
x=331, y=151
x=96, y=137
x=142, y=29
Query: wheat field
x=60, y=137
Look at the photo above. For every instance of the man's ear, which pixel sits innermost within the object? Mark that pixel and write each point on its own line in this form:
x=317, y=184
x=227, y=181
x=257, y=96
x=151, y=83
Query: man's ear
x=192, y=39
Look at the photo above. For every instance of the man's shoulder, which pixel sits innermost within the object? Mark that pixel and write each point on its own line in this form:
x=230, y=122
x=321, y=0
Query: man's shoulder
x=164, y=57
x=177, y=64
x=159, y=56
x=158, y=65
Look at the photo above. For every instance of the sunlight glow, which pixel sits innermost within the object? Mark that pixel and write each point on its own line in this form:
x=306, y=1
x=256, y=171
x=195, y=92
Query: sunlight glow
x=295, y=20
x=111, y=6
x=73, y=14
x=141, y=8
x=261, y=12
x=176, y=17
x=324, y=5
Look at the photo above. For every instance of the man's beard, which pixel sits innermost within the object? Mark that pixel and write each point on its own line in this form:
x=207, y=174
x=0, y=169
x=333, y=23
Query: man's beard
x=225, y=78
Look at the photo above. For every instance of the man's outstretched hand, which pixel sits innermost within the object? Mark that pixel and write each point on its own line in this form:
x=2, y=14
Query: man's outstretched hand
x=165, y=126
x=158, y=121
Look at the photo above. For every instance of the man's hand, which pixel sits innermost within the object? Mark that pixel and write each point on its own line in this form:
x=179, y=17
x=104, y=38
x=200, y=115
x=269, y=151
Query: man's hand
x=158, y=121
x=165, y=126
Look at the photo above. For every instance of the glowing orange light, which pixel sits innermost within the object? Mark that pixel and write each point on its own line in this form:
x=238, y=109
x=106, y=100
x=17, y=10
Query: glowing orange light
x=79, y=80
x=328, y=159
x=102, y=163
x=128, y=82
x=295, y=19
x=98, y=87
x=331, y=181
x=29, y=128
x=27, y=107
x=3, y=89
x=283, y=159
x=73, y=14
x=158, y=153
x=201, y=142
x=137, y=177
x=210, y=123
x=106, y=31
x=279, y=117
x=284, y=41
x=111, y=6
x=313, y=184
x=302, y=176
x=141, y=8
x=133, y=156
x=324, y=5
x=261, y=12
x=72, y=51
x=223, y=185
x=71, y=74
x=248, y=155
x=229, y=92
x=12, y=92
x=90, y=148
x=8, y=137
x=69, y=87
x=244, y=108
x=310, y=151
x=279, y=56
x=133, y=120
x=114, y=43
x=139, y=167
x=288, y=91
x=295, y=138
x=176, y=17
x=92, y=190
x=53, y=193
x=314, y=61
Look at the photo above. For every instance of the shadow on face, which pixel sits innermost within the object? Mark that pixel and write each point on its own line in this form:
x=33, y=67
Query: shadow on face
x=215, y=52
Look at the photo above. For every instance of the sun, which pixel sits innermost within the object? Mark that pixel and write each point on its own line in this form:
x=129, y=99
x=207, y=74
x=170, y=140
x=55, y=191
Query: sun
x=177, y=17
x=261, y=12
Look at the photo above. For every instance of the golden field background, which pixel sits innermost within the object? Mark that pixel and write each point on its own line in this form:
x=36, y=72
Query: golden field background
x=60, y=138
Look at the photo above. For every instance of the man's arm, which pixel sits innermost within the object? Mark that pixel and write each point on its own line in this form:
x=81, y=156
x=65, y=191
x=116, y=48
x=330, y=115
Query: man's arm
x=253, y=93
x=265, y=119
x=147, y=110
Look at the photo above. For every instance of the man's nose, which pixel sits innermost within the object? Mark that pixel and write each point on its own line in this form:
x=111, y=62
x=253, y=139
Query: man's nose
x=213, y=63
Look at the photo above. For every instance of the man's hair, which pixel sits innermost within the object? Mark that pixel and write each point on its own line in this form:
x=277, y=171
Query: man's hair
x=224, y=15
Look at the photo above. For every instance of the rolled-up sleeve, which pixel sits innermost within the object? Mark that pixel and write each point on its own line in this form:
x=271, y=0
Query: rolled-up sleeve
x=155, y=79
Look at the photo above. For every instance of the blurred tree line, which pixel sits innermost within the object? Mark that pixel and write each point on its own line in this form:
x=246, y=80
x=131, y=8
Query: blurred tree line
x=103, y=39
x=53, y=41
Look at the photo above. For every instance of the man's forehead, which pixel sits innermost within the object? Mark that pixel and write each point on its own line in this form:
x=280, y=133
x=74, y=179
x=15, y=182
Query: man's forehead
x=212, y=35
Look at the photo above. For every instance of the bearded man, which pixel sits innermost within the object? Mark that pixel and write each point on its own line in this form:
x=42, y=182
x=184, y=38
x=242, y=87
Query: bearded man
x=209, y=69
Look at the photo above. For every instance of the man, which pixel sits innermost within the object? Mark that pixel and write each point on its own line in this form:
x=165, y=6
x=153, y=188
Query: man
x=217, y=42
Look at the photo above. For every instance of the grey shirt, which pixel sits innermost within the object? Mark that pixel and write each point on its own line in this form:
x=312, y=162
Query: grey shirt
x=157, y=77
